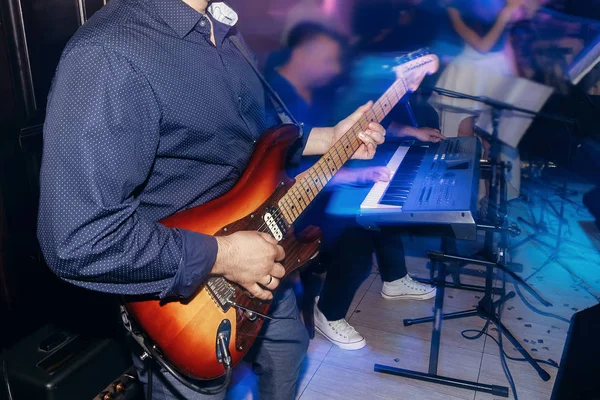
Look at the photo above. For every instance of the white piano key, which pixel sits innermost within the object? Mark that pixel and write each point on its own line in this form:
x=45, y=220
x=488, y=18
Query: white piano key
x=378, y=190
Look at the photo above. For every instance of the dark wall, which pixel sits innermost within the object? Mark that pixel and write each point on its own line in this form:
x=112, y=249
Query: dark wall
x=32, y=36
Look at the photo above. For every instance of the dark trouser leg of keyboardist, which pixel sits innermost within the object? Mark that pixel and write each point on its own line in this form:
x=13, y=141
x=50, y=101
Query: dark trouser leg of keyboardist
x=349, y=263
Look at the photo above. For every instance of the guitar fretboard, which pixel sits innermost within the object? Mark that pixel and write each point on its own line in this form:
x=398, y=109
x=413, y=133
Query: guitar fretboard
x=306, y=188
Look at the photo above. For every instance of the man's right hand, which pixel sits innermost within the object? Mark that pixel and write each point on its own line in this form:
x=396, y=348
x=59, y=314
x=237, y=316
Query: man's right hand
x=250, y=259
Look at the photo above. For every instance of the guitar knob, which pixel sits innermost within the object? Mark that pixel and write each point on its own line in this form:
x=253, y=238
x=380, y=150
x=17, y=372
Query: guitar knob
x=105, y=396
x=120, y=387
x=250, y=315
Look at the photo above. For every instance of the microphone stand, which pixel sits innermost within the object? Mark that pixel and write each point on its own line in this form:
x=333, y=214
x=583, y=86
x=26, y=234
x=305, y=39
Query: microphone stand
x=487, y=308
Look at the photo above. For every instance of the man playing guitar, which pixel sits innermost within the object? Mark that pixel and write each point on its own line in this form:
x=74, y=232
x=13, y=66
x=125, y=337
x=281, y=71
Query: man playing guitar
x=153, y=110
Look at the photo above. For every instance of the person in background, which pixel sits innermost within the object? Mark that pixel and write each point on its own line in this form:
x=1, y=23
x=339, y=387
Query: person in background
x=315, y=59
x=483, y=68
x=486, y=58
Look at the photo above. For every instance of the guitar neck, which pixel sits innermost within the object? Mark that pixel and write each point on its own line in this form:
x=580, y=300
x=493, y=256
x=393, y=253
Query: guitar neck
x=307, y=187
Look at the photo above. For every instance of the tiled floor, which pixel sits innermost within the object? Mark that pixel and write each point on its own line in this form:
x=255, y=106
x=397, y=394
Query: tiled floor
x=571, y=283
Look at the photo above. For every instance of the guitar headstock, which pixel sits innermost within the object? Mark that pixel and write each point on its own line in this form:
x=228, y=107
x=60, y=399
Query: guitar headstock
x=415, y=66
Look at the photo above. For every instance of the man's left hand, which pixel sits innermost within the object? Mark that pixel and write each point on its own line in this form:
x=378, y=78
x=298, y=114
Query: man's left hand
x=422, y=134
x=426, y=134
x=371, y=138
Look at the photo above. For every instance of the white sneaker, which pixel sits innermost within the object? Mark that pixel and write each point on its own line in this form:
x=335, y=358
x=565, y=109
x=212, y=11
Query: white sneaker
x=407, y=288
x=339, y=332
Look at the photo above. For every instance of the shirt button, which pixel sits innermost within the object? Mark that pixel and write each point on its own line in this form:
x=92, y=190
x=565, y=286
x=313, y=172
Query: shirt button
x=202, y=23
x=239, y=98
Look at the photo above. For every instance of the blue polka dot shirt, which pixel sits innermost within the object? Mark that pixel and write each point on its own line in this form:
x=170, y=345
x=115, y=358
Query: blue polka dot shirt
x=146, y=117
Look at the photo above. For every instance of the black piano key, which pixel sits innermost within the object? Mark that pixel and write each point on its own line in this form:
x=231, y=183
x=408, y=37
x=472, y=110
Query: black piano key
x=399, y=186
x=394, y=203
x=422, y=194
x=401, y=183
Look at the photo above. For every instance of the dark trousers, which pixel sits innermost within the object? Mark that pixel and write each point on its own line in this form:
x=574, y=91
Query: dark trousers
x=347, y=255
x=348, y=261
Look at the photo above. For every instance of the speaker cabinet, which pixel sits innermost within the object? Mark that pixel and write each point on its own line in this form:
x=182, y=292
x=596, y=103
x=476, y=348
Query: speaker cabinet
x=579, y=374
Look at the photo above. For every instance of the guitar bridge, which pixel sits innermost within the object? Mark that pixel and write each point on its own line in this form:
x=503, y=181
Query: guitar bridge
x=221, y=292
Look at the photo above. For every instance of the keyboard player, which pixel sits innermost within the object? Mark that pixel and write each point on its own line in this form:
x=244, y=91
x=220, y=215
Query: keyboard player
x=348, y=248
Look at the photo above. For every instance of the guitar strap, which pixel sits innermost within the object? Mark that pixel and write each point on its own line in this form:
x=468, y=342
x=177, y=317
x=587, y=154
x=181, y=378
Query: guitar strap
x=280, y=108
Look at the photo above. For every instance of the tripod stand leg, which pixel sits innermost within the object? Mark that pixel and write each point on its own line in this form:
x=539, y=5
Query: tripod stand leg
x=501, y=391
x=504, y=331
x=434, y=351
x=438, y=316
x=454, y=315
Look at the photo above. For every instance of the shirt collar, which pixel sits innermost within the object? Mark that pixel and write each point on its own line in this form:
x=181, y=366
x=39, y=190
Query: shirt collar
x=222, y=13
x=182, y=18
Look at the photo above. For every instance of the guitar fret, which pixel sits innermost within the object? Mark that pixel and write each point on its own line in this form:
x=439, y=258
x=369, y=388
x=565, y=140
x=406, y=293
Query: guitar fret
x=308, y=189
x=337, y=153
x=354, y=143
x=370, y=116
x=305, y=198
x=390, y=99
x=284, y=211
x=286, y=206
x=315, y=180
x=345, y=146
x=299, y=197
x=361, y=123
x=330, y=159
x=382, y=110
x=329, y=166
x=326, y=174
x=291, y=209
x=313, y=188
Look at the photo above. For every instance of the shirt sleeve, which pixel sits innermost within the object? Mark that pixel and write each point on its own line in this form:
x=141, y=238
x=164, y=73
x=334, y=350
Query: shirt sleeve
x=100, y=139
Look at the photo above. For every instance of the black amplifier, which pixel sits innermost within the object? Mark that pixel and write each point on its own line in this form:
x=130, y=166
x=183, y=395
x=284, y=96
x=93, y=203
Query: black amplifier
x=53, y=364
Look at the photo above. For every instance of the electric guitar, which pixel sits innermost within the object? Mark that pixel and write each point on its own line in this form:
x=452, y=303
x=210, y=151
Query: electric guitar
x=209, y=333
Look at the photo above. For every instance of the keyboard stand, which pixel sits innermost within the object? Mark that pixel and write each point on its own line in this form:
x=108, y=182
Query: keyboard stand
x=449, y=247
x=439, y=260
x=487, y=308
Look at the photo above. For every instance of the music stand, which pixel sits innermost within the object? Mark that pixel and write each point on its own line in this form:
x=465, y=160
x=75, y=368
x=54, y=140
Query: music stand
x=487, y=307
